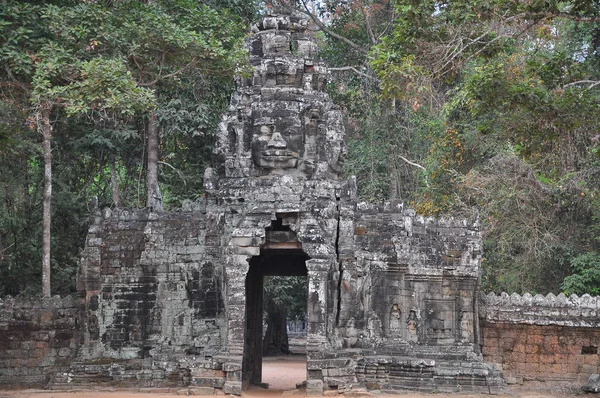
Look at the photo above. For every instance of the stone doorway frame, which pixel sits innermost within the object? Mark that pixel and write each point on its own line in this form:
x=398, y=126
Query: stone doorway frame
x=246, y=243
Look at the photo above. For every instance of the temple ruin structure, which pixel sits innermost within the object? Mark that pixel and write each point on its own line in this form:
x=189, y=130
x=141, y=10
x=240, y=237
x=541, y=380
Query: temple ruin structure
x=391, y=300
x=175, y=298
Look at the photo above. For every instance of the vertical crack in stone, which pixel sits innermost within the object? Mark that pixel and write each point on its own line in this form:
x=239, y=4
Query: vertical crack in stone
x=337, y=258
x=476, y=331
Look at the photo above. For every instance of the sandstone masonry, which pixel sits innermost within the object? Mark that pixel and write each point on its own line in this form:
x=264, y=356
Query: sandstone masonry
x=38, y=339
x=545, y=338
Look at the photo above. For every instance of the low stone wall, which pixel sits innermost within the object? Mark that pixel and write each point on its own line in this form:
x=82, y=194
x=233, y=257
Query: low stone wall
x=38, y=339
x=543, y=338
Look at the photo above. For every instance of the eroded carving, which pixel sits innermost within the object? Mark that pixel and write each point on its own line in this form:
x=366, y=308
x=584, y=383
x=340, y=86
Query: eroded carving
x=412, y=327
x=395, y=321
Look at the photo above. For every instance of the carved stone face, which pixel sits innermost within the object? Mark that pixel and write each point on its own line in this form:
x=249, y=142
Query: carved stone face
x=272, y=149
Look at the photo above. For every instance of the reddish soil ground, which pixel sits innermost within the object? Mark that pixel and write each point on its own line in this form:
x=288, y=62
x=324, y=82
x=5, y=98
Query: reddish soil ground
x=282, y=374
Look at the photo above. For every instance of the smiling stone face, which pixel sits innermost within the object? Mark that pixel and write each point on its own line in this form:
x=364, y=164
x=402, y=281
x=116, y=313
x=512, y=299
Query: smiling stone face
x=280, y=121
x=272, y=149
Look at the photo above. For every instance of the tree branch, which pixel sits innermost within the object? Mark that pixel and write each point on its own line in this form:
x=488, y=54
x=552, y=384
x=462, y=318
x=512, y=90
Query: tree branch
x=412, y=163
x=521, y=32
x=174, y=169
x=389, y=24
x=565, y=15
x=153, y=82
x=368, y=25
x=592, y=83
x=322, y=26
x=6, y=248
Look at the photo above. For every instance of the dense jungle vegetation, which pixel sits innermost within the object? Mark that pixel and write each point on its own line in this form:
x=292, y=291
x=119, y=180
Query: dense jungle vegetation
x=484, y=109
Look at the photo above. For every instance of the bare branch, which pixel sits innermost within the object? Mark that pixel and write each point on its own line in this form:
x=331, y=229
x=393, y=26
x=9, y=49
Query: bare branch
x=177, y=72
x=458, y=51
x=368, y=24
x=389, y=24
x=322, y=26
x=174, y=169
x=592, y=83
x=550, y=15
x=412, y=163
x=5, y=249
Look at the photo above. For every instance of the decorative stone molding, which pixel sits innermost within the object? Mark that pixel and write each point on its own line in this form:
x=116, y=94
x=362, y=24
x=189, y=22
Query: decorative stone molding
x=551, y=309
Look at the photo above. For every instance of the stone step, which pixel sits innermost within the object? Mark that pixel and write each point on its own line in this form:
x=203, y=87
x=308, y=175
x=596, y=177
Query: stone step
x=119, y=373
x=428, y=375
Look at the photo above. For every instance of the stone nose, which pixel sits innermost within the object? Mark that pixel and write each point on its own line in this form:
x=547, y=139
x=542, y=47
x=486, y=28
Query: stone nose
x=277, y=141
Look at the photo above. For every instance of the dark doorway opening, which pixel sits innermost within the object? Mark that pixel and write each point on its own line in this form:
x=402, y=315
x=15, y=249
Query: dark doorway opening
x=272, y=261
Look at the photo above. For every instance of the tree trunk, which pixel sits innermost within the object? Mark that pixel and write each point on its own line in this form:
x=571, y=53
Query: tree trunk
x=1, y=249
x=276, y=337
x=114, y=183
x=154, y=197
x=46, y=130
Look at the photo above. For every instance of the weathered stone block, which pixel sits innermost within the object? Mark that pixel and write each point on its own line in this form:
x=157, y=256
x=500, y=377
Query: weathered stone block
x=202, y=391
x=233, y=387
x=208, y=382
x=210, y=373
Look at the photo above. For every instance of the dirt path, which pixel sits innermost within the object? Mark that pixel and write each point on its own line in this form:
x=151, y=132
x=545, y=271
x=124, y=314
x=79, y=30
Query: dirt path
x=282, y=375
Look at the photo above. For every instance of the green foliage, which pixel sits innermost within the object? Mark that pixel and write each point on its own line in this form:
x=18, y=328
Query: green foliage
x=289, y=292
x=106, y=86
x=103, y=66
x=586, y=275
x=496, y=100
x=514, y=92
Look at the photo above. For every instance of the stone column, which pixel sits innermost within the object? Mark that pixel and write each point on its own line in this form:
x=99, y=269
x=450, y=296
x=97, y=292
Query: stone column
x=236, y=270
x=316, y=338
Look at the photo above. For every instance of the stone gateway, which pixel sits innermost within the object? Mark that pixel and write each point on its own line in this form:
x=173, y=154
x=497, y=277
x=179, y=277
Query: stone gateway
x=175, y=298
x=392, y=296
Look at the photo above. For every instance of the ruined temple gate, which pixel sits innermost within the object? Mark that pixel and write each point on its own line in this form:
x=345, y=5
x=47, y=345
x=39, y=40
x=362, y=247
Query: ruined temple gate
x=175, y=298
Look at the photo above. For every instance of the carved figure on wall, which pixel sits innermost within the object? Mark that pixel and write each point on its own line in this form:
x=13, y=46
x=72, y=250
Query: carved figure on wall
x=374, y=327
x=395, y=321
x=466, y=326
x=314, y=308
x=351, y=334
x=336, y=149
x=412, y=326
x=93, y=327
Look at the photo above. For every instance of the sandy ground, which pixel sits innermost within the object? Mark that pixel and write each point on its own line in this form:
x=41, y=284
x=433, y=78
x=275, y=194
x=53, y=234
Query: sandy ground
x=282, y=374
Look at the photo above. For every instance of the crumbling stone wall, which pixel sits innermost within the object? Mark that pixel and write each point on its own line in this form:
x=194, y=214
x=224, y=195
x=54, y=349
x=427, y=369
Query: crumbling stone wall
x=408, y=305
x=38, y=339
x=546, y=338
x=151, y=291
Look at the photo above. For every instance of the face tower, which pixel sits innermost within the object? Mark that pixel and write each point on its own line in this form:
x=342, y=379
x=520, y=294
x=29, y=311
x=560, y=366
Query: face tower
x=280, y=150
x=280, y=121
